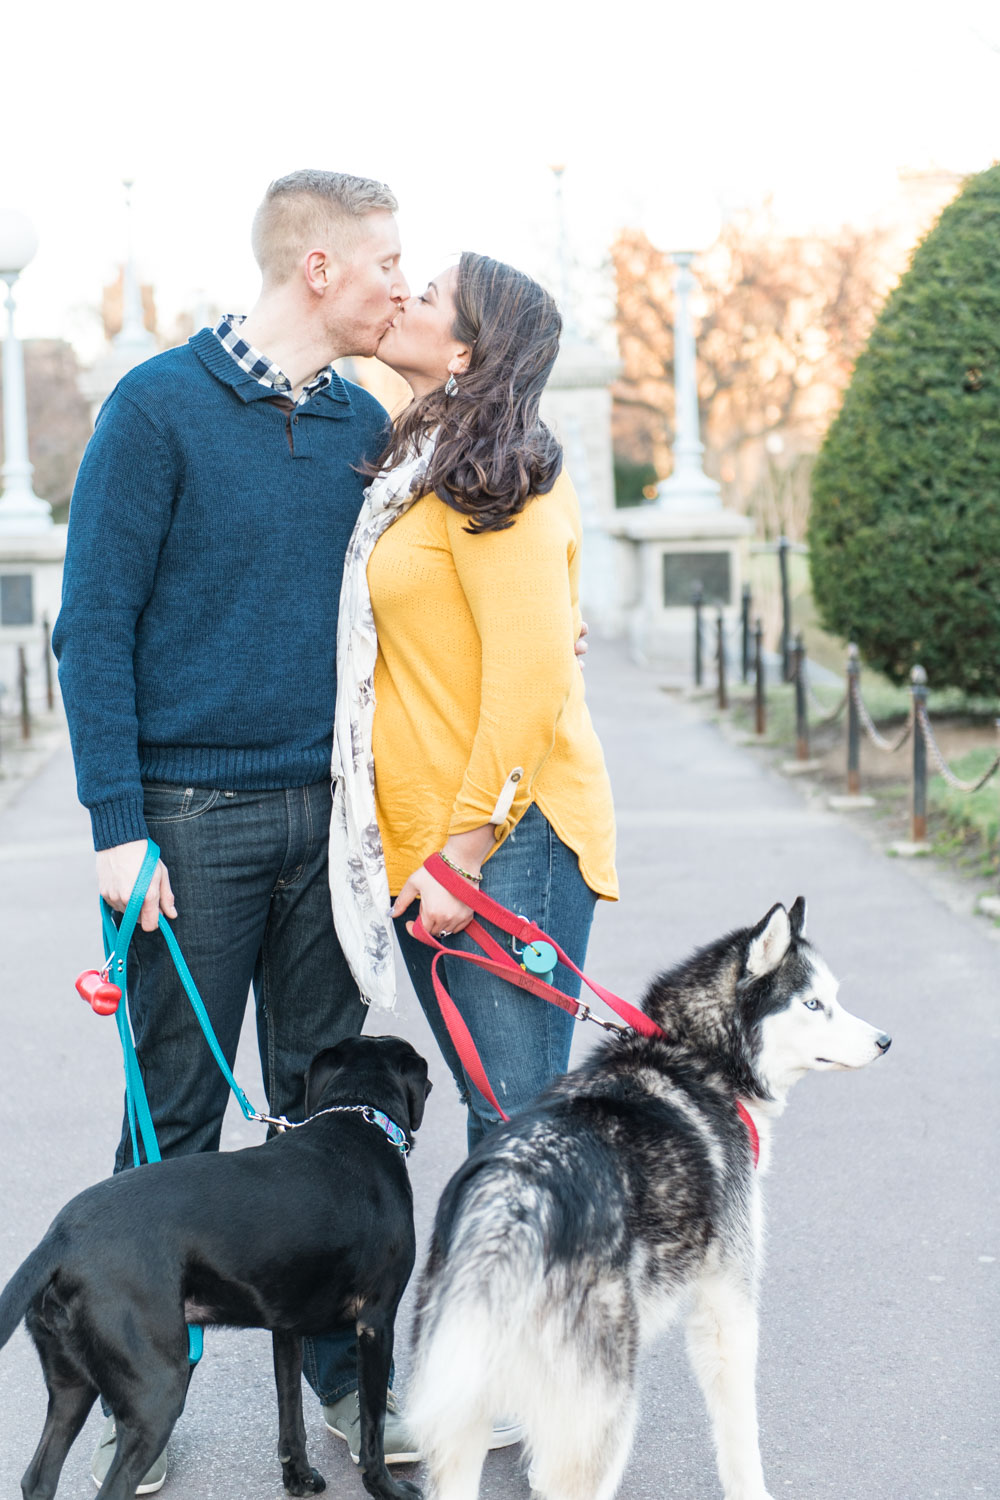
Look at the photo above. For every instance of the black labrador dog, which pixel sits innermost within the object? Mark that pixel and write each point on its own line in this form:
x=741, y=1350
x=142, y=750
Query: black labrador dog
x=302, y=1234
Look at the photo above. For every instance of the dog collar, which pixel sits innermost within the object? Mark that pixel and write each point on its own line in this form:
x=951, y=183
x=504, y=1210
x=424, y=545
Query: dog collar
x=752, y=1132
x=393, y=1132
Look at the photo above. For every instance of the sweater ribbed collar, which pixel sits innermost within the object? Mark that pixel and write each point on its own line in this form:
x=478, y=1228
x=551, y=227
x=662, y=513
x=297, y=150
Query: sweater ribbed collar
x=333, y=401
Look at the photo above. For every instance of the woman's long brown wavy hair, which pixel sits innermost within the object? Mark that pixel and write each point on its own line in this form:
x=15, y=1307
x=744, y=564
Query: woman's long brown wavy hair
x=493, y=451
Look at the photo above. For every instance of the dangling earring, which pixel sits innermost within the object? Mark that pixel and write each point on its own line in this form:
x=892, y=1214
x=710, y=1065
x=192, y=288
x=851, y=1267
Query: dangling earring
x=451, y=387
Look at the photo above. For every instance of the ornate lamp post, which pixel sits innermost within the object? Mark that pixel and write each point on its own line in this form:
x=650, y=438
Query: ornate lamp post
x=21, y=510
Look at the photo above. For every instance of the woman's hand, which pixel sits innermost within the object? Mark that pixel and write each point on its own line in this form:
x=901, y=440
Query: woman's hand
x=441, y=914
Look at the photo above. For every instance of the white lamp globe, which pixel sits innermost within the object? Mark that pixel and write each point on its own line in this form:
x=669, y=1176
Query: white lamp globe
x=683, y=218
x=18, y=241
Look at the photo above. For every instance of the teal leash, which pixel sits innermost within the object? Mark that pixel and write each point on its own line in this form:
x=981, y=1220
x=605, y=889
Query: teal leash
x=117, y=939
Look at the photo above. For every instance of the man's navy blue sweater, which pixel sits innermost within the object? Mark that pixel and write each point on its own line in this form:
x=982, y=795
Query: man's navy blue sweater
x=197, y=635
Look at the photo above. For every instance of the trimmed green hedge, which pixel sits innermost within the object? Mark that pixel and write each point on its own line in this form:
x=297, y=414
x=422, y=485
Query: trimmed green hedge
x=904, y=531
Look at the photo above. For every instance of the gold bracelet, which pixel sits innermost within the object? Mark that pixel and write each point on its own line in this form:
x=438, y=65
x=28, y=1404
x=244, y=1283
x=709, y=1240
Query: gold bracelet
x=473, y=879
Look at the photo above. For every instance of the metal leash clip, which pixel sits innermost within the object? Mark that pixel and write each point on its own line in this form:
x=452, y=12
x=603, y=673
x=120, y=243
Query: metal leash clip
x=280, y=1122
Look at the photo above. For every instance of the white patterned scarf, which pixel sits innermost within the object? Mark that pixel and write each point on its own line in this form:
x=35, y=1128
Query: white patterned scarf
x=359, y=885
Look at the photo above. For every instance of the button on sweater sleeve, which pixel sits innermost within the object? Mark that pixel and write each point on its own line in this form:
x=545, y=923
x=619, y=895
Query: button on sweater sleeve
x=520, y=588
x=119, y=516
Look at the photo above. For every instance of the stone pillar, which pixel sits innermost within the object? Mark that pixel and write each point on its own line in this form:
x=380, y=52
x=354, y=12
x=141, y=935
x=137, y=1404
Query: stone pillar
x=671, y=551
x=577, y=406
x=31, y=566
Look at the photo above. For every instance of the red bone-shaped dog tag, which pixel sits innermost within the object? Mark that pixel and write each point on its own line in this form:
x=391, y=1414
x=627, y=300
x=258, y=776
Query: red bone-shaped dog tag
x=100, y=994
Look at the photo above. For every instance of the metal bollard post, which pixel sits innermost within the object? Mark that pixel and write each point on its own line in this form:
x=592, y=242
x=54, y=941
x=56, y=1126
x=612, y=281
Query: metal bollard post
x=697, y=598
x=745, y=634
x=786, y=611
x=853, y=722
x=50, y=696
x=720, y=652
x=801, y=708
x=760, y=702
x=22, y=684
x=918, y=822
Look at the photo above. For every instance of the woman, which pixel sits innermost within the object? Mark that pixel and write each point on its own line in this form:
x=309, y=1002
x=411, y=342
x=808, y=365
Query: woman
x=461, y=724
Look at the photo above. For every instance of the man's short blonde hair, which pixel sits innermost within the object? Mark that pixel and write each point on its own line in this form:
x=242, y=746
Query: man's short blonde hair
x=308, y=209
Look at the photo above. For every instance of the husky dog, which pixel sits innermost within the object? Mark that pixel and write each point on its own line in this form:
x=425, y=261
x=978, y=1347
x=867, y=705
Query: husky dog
x=576, y=1232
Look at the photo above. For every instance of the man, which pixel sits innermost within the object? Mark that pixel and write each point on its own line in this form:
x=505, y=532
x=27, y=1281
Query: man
x=197, y=661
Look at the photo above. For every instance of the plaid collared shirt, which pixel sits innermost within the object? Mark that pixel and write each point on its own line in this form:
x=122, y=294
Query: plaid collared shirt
x=227, y=331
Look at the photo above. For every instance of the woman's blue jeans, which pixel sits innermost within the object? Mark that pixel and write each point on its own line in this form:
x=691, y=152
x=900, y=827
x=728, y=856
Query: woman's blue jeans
x=249, y=872
x=523, y=1042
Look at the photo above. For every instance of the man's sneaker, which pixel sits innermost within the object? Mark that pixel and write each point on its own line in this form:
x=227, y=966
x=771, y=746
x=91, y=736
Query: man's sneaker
x=343, y=1418
x=105, y=1452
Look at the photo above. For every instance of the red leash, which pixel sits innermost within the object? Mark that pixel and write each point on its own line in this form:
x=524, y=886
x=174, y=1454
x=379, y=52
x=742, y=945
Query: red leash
x=496, y=960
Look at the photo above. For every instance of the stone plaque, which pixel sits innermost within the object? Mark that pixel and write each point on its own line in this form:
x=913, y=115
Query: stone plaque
x=682, y=570
x=16, y=603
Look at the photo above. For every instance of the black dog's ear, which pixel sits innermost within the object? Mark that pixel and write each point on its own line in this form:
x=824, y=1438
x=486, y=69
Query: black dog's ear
x=319, y=1073
x=797, y=917
x=418, y=1086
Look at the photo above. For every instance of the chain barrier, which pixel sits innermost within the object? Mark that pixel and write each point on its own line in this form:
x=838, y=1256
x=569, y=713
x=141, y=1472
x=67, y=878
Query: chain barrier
x=826, y=716
x=734, y=642
x=942, y=765
x=710, y=637
x=868, y=724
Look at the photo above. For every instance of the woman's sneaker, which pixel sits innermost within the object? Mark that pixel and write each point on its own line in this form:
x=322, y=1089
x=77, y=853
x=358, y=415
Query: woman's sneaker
x=105, y=1452
x=343, y=1418
x=506, y=1432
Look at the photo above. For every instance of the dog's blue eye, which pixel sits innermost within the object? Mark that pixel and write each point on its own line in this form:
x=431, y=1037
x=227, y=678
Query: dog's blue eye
x=813, y=1004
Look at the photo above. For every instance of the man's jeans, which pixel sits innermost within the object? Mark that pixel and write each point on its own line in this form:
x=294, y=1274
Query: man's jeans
x=523, y=1041
x=249, y=873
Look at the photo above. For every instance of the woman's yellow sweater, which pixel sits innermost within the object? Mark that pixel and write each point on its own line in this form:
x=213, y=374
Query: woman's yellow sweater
x=480, y=705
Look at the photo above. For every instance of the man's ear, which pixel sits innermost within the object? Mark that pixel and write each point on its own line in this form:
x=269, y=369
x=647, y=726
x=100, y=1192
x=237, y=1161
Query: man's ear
x=769, y=942
x=321, y=272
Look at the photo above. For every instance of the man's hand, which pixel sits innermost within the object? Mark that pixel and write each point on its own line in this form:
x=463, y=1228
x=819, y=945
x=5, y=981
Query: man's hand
x=580, y=646
x=117, y=871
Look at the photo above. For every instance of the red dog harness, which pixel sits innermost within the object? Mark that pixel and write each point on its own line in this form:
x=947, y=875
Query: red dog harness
x=496, y=960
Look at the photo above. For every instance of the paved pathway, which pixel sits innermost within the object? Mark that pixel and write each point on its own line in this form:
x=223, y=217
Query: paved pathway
x=879, y=1350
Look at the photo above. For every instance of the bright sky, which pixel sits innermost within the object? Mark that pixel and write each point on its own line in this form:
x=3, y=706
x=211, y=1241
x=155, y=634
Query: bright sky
x=462, y=109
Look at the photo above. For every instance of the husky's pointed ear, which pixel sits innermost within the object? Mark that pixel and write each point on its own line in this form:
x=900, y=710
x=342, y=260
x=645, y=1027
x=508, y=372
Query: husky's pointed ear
x=797, y=917
x=769, y=943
